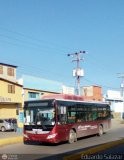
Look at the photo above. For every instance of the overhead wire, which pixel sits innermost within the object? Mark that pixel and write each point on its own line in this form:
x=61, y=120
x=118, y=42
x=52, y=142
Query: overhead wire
x=41, y=42
x=47, y=50
x=97, y=84
x=24, y=69
x=34, y=45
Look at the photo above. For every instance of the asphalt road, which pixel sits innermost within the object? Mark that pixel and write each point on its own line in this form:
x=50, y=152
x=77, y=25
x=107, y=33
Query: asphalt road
x=21, y=151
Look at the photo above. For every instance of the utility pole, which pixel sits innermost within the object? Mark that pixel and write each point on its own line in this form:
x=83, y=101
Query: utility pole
x=121, y=75
x=77, y=72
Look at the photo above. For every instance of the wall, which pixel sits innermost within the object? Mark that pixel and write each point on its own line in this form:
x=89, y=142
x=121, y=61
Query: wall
x=8, y=111
x=41, y=93
x=92, y=93
x=12, y=97
x=11, y=104
x=116, y=103
x=5, y=76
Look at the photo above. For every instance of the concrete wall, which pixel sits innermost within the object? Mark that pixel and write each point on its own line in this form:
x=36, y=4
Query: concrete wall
x=12, y=97
x=11, y=104
x=41, y=93
x=8, y=111
x=92, y=93
x=6, y=76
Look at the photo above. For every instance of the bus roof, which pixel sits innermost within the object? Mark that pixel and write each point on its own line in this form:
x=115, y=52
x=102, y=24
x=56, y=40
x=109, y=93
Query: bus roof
x=67, y=100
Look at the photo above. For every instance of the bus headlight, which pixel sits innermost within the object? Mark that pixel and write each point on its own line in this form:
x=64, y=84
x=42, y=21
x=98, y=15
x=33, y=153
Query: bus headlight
x=52, y=136
x=26, y=136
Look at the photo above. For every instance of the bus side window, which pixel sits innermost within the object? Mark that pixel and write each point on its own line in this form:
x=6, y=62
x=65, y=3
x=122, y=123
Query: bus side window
x=81, y=117
x=62, y=118
x=104, y=113
x=95, y=115
x=99, y=115
x=62, y=114
x=71, y=117
x=78, y=117
x=89, y=116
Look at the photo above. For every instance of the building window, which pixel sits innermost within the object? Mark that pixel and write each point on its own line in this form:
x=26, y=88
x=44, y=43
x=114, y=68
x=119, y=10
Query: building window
x=10, y=72
x=34, y=95
x=11, y=88
x=88, y=91
x=1, y=70
x=85, y=91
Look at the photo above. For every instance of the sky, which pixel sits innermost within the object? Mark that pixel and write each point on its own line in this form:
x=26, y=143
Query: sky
x=37, y=35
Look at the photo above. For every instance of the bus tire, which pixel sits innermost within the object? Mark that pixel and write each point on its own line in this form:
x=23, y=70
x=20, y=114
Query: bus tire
x=27, y=142
x=72, y=136
x=100, y=132
x=3, y=129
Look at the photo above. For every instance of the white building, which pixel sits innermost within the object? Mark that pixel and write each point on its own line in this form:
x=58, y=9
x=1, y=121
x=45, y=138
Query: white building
x=67, y=90
x=116, y=102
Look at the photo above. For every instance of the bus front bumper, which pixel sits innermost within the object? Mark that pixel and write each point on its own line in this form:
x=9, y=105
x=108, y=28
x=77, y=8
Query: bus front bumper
x=48, y=138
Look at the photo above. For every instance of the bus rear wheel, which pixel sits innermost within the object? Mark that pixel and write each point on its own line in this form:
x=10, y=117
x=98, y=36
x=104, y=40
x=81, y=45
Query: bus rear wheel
x=72, y=136
x=100, y=133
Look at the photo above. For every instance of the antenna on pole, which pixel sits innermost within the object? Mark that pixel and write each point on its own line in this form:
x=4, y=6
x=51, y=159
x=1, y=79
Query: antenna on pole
x=77, y=72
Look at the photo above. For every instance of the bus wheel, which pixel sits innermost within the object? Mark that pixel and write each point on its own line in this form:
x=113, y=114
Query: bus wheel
x=72, y=136
x=3, y=129
x=100, y=133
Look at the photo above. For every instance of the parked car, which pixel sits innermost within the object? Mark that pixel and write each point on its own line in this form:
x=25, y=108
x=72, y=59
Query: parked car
x=13, y=123
x=8, y=124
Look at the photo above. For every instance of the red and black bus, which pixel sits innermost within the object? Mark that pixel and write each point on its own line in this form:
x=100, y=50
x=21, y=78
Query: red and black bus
x=57, y=120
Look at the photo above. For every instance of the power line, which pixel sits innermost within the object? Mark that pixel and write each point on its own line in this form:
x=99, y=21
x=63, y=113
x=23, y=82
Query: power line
x=38, y=47
x=30, y=69
x=54, y=45
x=97, y=84
x=33, y=44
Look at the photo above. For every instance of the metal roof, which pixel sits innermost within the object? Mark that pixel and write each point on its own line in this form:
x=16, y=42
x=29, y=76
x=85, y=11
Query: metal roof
x=41, y=84
x=9, y=65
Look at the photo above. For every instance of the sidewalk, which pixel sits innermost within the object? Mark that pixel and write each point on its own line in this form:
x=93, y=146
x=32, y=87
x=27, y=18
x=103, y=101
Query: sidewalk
x=116, y=124
x=9, y=134
x=10, y=138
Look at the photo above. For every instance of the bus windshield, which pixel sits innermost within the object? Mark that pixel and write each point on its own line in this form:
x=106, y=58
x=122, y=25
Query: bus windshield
x=40, y=115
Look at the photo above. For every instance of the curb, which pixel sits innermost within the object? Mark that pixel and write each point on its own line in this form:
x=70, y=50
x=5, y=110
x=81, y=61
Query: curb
x=13, y=140
x=93, y=150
